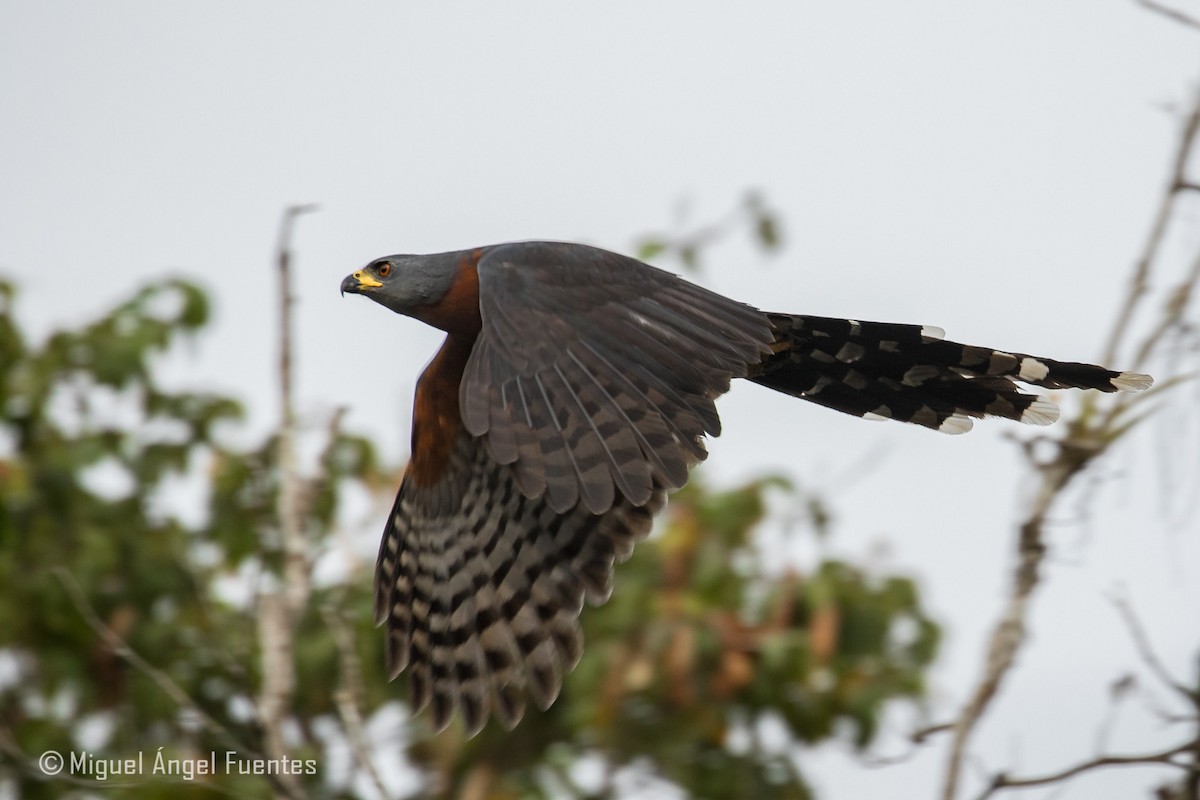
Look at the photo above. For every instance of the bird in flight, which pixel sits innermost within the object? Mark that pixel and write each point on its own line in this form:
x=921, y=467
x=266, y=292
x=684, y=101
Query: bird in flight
x=573, y=390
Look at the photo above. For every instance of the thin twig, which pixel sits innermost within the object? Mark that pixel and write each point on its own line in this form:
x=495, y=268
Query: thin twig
x=1191, y=783
x=1174, y=308
x=687, y=245
x=1171, y=13
x=349, y=693
x=310, y=488
x=1009, y=634
x=1140, y=281
x=122, y=649
x=279, y=609
x=1086, y=438
x=169, y=687
x=296, y=567
x=1142, y=642
x=477, y=784
x=8, y=745
x=1167, y=757
x=921, y=734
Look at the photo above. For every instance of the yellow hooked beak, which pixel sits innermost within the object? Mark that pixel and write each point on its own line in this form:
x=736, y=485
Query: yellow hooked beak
x=358, y=282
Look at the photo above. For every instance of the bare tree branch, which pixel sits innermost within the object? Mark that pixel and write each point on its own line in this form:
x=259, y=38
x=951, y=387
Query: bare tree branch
x=1177, y=182
x=8, y=745
x=280, y=608
x=1170, y=757
x=1166, y=757
x=1142, y=643
x=1177, y=302
x=169, y=687
x=1009, y=634
x=920, y=735
x=296, y=566
x=349, y=693
x=122, y=649
x=1170, y=13
x=1086, y=438
x=687, y=245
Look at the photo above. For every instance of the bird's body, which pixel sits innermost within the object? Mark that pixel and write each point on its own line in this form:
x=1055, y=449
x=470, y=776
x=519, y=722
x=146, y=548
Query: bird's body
x=572, y=392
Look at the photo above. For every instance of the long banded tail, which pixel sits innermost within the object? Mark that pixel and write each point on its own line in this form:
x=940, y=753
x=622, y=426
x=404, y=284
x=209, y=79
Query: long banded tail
x=910, y=373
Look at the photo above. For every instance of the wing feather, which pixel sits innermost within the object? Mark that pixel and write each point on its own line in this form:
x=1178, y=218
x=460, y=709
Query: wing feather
x=562, y=473
x=655, y=430
x=594, y=375
x=629, y=453
x=485, y=610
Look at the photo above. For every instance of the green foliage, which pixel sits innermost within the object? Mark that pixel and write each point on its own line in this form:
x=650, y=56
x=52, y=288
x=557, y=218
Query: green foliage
x=88, y=443
x=703, y=639
x=752, y=213
x=698, y=645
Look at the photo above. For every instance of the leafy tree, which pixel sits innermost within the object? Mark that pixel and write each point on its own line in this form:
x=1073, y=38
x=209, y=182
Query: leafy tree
x=697, y=647
x=120, y=633
x=111, y=623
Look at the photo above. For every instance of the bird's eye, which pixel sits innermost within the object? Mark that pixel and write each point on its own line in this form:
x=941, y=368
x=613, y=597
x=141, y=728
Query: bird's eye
x=384, y=269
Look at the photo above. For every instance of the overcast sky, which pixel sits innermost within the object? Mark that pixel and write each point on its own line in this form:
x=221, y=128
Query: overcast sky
x=986, y=167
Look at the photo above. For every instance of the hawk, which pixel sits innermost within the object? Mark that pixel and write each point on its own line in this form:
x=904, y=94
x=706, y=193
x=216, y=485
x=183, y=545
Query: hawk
x=573, y=390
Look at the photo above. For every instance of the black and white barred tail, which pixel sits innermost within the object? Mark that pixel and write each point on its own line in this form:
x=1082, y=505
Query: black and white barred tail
x=910, y=373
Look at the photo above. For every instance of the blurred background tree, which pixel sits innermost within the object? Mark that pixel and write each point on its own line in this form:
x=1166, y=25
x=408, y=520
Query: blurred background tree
x=197, y=589
x=125, y=630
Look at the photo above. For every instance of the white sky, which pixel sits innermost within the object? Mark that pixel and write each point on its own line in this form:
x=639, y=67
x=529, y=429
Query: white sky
x=989, y=168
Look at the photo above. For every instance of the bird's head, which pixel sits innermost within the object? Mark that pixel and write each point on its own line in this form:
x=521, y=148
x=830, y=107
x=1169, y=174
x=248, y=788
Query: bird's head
x=441, y=289
x=405, y=283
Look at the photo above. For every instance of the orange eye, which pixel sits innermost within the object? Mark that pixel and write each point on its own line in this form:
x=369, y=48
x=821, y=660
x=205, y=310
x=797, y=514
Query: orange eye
x=384, y=269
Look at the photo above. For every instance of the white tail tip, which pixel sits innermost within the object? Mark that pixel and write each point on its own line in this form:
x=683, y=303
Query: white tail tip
x=956, y=424
x=1132, y=382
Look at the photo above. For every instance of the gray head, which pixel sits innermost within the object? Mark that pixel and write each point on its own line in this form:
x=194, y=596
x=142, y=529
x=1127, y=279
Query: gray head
x=441, y=289
x=406, y=283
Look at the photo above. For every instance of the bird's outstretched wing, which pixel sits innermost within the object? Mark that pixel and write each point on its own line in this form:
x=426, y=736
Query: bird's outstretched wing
x=594, y=374
x=481, y=587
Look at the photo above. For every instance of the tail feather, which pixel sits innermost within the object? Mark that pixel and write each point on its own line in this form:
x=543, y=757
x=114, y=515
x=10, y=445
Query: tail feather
x=909, y=373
